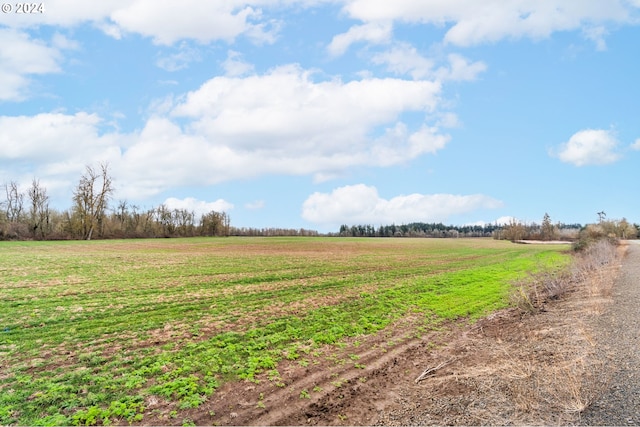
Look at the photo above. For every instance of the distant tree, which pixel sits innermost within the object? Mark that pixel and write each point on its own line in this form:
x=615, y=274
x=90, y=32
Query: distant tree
x=547, y=230
x=14, y=202
x=514, y=230
x=91, y=198
x=625, y=230
x=122, y=216
x=39, y=214
x=216, y=224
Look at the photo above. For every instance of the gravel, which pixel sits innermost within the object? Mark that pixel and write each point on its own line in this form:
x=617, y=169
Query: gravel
x=618, y=330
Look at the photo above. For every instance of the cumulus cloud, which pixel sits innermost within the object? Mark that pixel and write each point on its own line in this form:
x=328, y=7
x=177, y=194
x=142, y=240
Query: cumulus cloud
x=375, y=33
x=470, y=22
x=361, y=204
x=282, y=122
x=65, y=13
x=473, y=22
x=21, y=57
x=404, y=59
x=165, y=22
x=199, y=207
x=636, y=145
x=460, y=69
x=55, y=147
x=589, y=147
x=55, y=137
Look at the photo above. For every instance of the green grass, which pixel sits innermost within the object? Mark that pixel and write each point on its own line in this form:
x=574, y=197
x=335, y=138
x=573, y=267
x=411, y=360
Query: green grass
x=90, y=330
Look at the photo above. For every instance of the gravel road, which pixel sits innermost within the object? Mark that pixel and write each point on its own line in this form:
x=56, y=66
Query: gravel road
x=619, y=338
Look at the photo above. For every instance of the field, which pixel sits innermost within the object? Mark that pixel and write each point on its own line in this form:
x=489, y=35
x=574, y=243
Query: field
x=152, y=331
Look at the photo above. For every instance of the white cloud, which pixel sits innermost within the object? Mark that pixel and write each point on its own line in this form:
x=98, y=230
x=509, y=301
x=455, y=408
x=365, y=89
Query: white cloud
x=62, y=42
x=374, y=32
x=232, y=128
x=162, y=156
x=589, y=147
x=55, y=147
x=235, y=66
x=460, y=69
x=54, y=138
x=21, y=57
x=470, y=21
x=199, y=207
x=473, y=22
x=180, y=59
x=284, y=122
x=164, y=21
x=403, y=59
x=361, y=204
x=636, y=145
x=448, y=120
x=169, y=21
x=65, y=13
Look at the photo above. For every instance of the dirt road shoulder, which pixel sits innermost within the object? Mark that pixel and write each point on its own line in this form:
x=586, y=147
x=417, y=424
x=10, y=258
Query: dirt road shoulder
x=618, y=332
x=545, y=368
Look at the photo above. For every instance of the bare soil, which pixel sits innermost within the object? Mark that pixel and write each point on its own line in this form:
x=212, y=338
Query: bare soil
x=510, y=368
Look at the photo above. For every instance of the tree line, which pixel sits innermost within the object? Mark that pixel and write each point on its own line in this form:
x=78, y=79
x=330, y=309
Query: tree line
x=418, y=229
x=617, y=229
x=514, y=230
x=271, y=231
x=28, y=215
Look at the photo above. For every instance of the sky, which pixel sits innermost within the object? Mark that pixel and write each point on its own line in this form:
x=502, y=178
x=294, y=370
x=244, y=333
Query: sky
x=316, y=113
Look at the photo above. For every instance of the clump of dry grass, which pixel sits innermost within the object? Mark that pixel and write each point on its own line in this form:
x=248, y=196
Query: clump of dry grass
x=532, y=292
x=590, y=267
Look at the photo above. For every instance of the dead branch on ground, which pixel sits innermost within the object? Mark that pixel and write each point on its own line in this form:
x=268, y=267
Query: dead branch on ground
x=430, y=371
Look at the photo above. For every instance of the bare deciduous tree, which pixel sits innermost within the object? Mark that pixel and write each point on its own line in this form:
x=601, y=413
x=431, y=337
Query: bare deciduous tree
x=39, y=217
x=14, y=202
x=91, y=198
x=515, y=230
x=215, y=224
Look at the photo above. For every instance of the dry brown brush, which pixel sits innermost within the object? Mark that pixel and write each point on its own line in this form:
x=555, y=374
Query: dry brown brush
x=540, y=364
x=557, y=388
x=587, y=267
x=539, y=367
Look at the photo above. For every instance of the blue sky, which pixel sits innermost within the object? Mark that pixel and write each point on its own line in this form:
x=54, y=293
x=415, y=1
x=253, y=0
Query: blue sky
x=292, y=113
